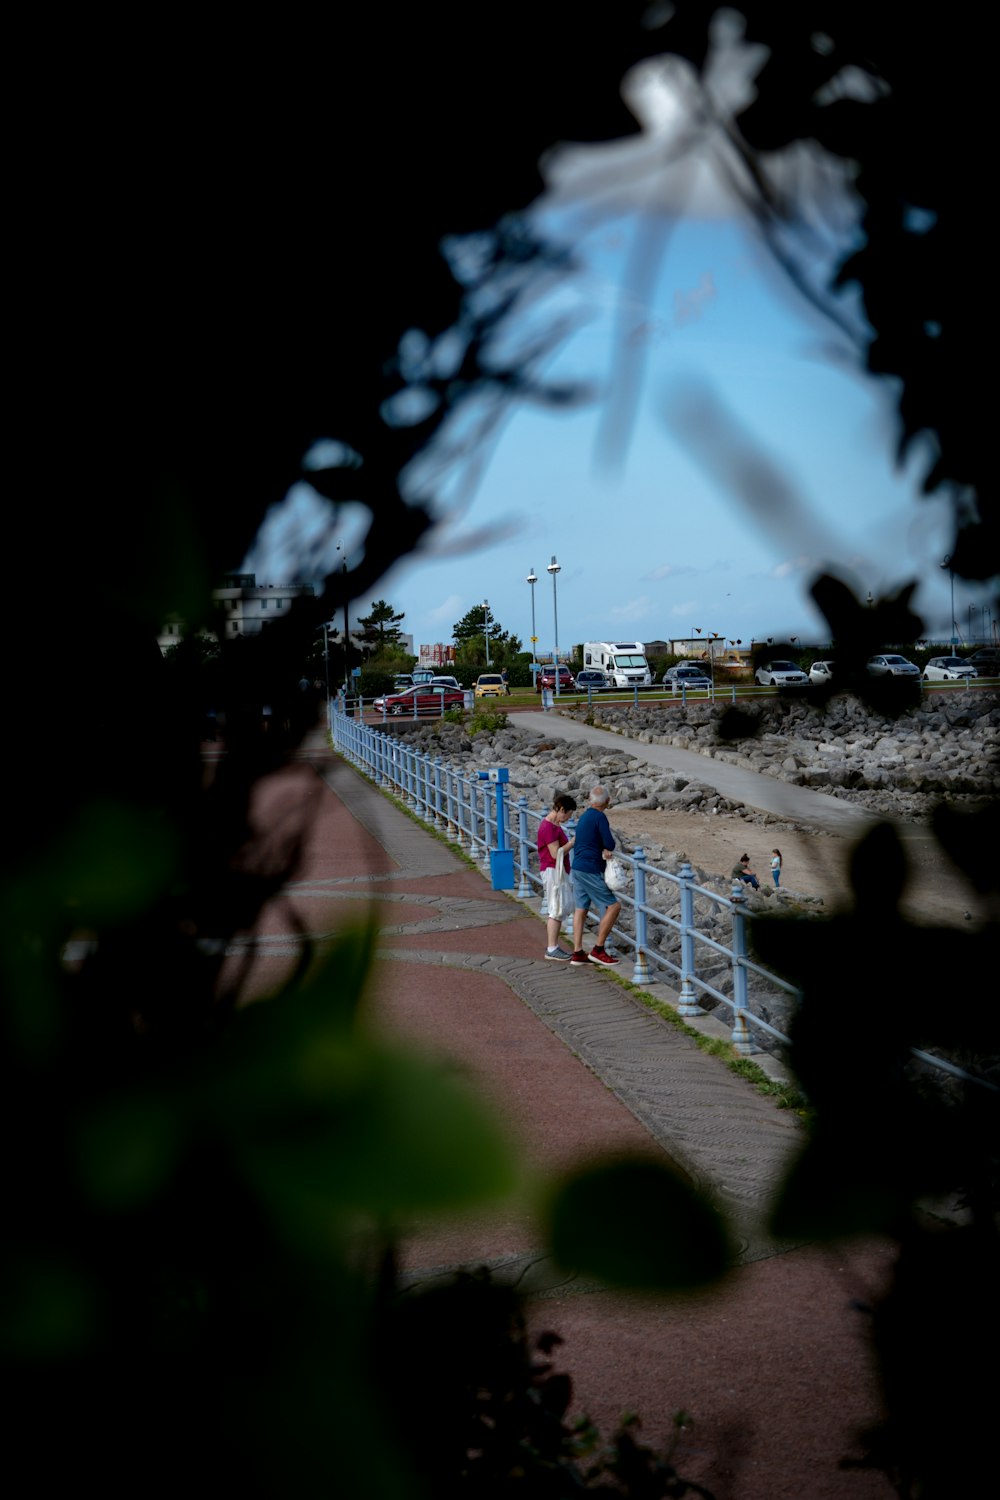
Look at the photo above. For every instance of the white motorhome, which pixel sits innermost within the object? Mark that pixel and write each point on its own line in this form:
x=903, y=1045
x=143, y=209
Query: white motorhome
x=624, y=662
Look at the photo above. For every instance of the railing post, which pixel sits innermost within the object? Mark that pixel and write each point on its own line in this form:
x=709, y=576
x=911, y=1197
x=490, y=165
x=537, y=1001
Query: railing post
x=449, y=784
x=420, y=778
x=379, y=740
x=688, y=999
x=484, y=858
x=741, y=1032
x=438, y=806
x=640, y=970
x=399, y=754
x=462, y=827
x=524, y=889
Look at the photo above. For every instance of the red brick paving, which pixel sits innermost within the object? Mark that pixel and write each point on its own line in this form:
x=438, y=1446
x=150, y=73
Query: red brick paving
x=773, y=1367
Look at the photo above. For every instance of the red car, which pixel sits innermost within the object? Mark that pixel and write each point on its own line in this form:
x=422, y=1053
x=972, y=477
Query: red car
x=547, y=679
x=422, y=701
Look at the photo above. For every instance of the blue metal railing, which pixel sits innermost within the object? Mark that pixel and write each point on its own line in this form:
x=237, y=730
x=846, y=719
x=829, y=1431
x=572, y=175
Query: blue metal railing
x=470, y=811
x=473, y=813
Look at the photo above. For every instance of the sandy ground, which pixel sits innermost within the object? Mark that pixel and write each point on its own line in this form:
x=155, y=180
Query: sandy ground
x=812, y=864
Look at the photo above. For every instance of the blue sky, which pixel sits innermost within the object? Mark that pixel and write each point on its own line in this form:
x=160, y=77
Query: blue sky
x=735, y=450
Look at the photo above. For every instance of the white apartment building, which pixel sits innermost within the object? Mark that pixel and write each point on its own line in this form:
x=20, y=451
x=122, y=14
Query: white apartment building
x=247, y=607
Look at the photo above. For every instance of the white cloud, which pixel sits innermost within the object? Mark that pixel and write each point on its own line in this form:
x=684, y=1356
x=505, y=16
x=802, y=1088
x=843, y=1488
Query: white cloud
x=794, y=565
x=686, y=607
x=668, y=570
x=636, y=609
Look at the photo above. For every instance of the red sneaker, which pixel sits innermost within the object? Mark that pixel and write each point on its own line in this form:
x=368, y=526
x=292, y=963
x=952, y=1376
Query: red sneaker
x=599, y=956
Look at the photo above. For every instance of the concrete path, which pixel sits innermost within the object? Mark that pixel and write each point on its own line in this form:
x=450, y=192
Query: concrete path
x=772, y=1364
x=798, y=804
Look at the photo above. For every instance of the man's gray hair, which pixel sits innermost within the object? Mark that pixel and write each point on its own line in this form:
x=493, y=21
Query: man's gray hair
x=599, y=797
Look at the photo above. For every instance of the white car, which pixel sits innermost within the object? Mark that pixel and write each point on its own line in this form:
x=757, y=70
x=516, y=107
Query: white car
x=948, y=669
x=892, y=666
x=821, y=672
x=780, y=674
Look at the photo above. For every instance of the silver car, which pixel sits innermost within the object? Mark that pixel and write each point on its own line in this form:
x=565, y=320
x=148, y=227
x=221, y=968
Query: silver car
x=780, y=674
x=948, y=669
x=593, y=681
x=690, y=679
x=892, y=666
x=822, y=672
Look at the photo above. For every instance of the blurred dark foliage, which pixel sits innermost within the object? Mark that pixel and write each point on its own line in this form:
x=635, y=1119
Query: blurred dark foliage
x=228, y=248
x=484, y=1409
x=909, y=127
x=899, y=1148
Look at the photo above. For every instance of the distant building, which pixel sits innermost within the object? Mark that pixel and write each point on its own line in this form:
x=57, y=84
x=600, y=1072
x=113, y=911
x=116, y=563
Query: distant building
x=247, y=607
x=438, y=655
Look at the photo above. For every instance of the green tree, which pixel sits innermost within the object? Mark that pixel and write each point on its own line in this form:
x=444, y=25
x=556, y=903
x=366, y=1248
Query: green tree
x=470, y=635
x=380, y=631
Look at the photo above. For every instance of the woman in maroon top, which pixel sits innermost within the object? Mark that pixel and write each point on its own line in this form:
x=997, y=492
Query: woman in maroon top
x=550, y=839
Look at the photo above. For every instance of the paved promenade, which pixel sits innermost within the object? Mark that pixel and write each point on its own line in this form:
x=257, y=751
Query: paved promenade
x=772, y=1365
x=797, y=803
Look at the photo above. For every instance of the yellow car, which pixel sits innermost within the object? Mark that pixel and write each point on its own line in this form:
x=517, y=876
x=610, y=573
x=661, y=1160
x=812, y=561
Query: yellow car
x=491, y=685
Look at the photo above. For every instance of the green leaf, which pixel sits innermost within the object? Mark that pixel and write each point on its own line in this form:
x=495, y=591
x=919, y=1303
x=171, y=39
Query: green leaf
x=329, y=1123
x=635, y=1223
x=392, y=1136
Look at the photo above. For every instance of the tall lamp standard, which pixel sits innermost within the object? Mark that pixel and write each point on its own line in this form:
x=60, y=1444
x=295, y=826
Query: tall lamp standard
x=486, y=628
x=532, y=579
x=326, y=656
x=554, y=568
x=951, y=574
x=347, y=634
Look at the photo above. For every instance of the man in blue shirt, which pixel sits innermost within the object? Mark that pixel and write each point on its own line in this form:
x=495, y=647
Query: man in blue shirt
x=595, y=845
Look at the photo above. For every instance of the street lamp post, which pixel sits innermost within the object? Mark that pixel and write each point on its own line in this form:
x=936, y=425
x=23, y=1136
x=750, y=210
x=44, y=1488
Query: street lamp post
x=554, y=568
x=532, y=579
x=951, y=575
x=486, y=626
x=347, y=633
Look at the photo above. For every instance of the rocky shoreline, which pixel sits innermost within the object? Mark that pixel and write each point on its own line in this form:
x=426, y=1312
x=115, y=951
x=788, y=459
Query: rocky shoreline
x=945, y=747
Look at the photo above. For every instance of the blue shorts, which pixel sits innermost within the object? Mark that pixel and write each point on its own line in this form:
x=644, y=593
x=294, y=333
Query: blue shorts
x=589, y=889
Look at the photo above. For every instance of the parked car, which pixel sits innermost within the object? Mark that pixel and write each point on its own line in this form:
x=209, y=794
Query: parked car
x=429, y=701
x=447, y=682
x=892, y=666
x=986, y=661
x=401, y=682
x=591, y=680
x=547, y=679
x=821, y=672
x=780, y=674
x=948, y=669
x=491, y=685
x=683, y=666
x=691, y=679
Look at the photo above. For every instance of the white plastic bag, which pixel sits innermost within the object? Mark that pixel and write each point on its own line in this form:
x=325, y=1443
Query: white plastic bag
x=615, y=874
x=560, y=888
